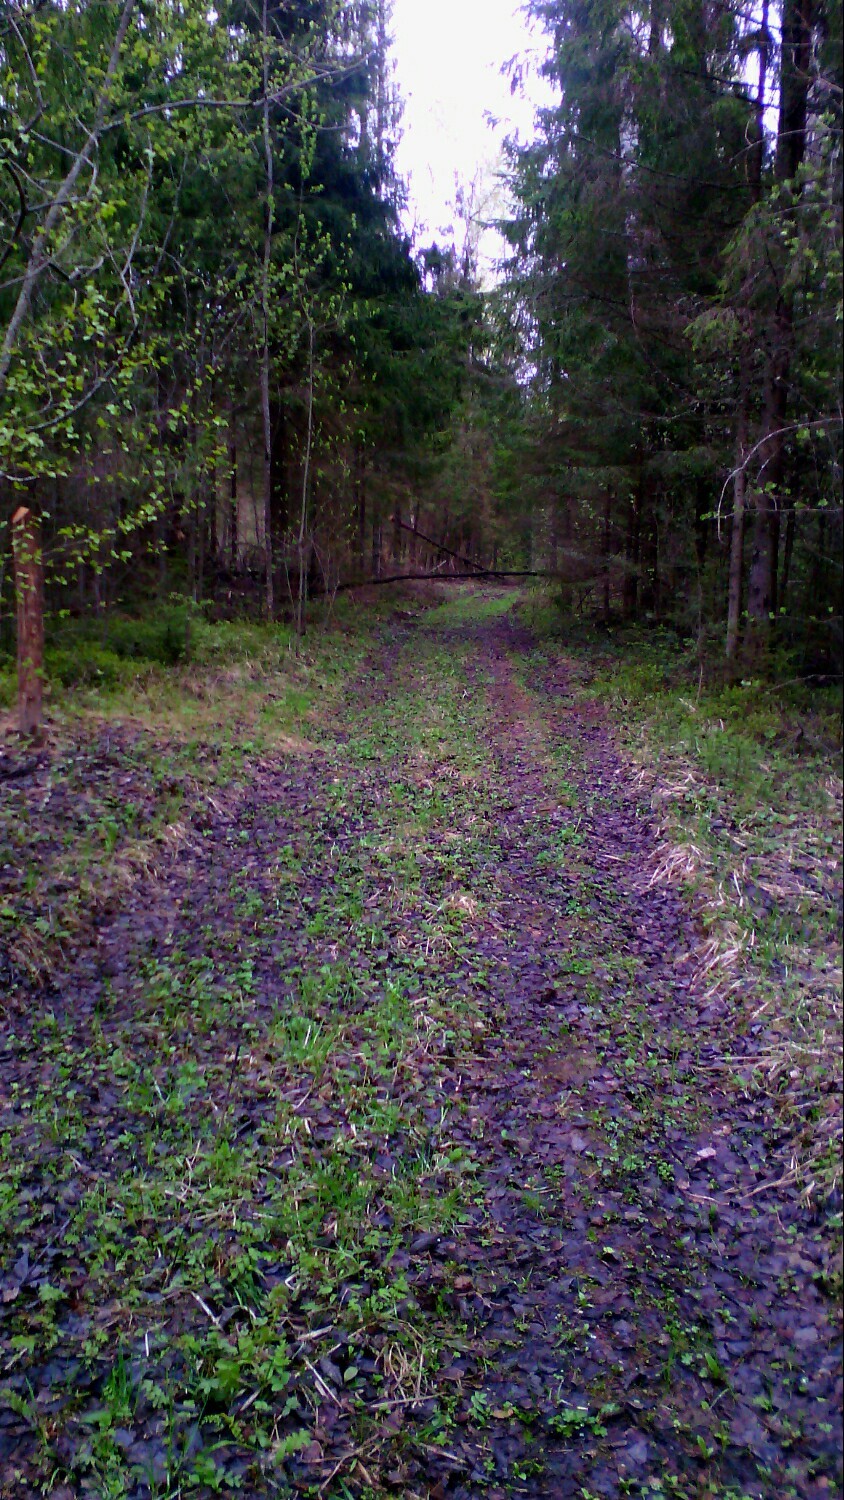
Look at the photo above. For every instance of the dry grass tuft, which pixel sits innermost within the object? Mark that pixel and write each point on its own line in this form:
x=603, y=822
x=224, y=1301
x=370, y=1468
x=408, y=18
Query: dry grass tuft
x=464, y=903
x=761, y=956
x=39, y=952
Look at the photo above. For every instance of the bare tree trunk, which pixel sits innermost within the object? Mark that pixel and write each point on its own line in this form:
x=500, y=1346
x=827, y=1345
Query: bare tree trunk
x=788, y=553
x=201, y=524
x=656, y=23
x=279, y=473
x=762, y=579
x=266, y=415
x=755, y=163
x=606, y=549
x=213, y=525
x=191, y=530
x=360, y=506
x=566, y=595
x=630, y=592
x=29, y=591
x=192, y=500
x=791, y=145
x=233, y=509
x=444, y=528
x=213, y=508
x=160, y=532
x=734, y=583
x=306, y=479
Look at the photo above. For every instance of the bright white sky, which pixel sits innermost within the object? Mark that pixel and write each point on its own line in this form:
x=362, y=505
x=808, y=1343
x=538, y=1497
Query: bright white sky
x=448, y=56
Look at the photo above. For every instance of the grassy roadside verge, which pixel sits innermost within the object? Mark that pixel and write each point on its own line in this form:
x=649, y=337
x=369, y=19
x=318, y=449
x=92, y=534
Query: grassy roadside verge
x=149, y=722
x=745, y=781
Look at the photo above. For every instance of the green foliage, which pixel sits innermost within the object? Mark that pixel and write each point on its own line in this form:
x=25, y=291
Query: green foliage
x=147, y=294
x=661, y=264
x=90, y=644
x=106, y=652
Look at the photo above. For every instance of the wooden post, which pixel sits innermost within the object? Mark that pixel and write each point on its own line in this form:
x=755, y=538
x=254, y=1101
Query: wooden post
x=29, y=591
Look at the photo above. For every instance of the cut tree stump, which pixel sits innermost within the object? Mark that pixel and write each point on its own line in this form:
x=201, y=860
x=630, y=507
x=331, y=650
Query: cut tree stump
x=29, y=592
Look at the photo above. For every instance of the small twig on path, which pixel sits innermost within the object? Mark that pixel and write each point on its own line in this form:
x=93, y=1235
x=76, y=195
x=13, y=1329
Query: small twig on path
x=441, y=1452
x=785, y=1181
x=307, y=1338
x=347, y=1457
x=397, y=1401
x=320, y=1383
x=206, y=1309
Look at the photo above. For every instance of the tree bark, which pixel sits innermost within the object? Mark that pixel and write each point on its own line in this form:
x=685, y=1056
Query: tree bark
x=791, y=146
x=190, y=527
x=360, y=505
x=233, y=508
x=735, y=580
x=788, y=553
x=762, y=579
x=606, y=552
x=736, y=571
x=553, y=537
x=306, y=479
x=266, y=415
x=630, y=595
x=29, y=592
x=656, y=24
x=279, y=475
x=201, y=541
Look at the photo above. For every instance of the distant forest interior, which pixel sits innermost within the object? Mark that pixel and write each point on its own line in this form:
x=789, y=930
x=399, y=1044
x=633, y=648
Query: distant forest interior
x=228, y=375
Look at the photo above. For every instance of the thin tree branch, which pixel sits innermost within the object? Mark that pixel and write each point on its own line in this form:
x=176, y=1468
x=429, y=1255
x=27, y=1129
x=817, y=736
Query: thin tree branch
x=39, y=255
x=414, y=531
x=22, y=213
x=780, y=432
x=342, y=588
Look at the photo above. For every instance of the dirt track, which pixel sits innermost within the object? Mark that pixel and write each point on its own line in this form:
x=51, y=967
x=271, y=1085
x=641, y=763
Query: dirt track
x=483, y=1149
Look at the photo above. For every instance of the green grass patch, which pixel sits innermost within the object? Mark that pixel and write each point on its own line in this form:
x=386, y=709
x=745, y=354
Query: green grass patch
x=471, y=605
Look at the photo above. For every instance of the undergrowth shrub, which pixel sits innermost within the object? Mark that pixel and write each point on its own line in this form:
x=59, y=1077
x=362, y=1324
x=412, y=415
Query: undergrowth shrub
x=87, y=664
x=161, y=637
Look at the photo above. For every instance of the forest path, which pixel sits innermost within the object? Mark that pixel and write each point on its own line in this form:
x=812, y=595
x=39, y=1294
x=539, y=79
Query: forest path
x=385, y=1145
